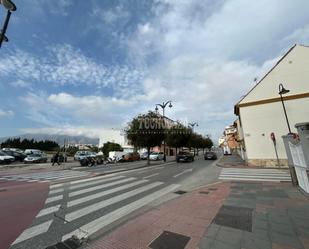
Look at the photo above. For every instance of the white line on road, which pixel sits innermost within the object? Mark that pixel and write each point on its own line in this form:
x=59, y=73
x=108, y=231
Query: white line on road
x=253, y=179
x=83, y=191
x=52, y=199
x=150, y=176
x=33, y=231
x=48, y=210
x=98, y=181
x=109, y=218
x=183, y=172
x=104, y=193
x=99, y=205
x=55, y=191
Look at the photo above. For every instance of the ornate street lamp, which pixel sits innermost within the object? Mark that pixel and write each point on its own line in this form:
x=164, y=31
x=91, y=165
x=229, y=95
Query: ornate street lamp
x=163, y=105
x=283, y=91
x=10, y=6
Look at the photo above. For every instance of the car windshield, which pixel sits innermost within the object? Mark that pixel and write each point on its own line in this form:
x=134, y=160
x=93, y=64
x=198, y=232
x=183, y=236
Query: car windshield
x=35, y=155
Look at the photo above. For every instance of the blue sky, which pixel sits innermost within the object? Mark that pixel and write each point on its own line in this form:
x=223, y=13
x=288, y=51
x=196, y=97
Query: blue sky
x=77, y=67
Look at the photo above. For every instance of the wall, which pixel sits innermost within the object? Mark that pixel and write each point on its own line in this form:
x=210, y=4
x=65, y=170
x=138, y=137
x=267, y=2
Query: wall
x=264, y=119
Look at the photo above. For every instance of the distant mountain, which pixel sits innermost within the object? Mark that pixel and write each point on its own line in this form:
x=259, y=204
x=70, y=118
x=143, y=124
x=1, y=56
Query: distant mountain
x=57, y=138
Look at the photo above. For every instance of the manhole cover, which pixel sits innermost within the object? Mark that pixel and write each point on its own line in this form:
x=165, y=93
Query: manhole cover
x=235, y=217
x=170, y=240
x=204, y=192
x=180, y=192
x=71, y=243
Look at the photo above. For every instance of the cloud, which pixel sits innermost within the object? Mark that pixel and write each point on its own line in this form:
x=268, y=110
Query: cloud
x=6, y=114
x=92, y=132
x=65, y=65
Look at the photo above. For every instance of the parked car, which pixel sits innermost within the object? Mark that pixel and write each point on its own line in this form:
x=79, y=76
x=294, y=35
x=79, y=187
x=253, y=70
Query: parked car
x=83, y=154
x=184, y=156
x=130, y=157
x=13, y=149
x=5, y=158
x=32, y=151
x=62, y=158
x=17, y=155
x=36, y=158
x=210, y=155
x=156, y=156
x=144, y=156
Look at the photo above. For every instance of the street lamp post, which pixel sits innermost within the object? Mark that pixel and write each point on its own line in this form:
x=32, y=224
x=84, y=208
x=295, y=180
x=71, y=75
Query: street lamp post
x=10, y=6
x=192, y=126
x=283, y=91
x=163, y=105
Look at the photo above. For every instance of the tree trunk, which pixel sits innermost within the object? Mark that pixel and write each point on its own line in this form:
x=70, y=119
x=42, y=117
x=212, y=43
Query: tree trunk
x=148, y=160
x=176, y=152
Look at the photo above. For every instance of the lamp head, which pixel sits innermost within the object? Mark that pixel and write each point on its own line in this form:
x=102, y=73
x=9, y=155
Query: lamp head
x=156, y=108
x=170, y=105
x=282, y=90
x=8, y=4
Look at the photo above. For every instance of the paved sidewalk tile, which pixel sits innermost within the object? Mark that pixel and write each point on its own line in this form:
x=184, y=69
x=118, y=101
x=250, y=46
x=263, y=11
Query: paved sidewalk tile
x=231, y=215
x=188, y=215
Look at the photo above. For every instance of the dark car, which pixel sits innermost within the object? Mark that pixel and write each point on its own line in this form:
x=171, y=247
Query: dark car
x=62, y=158
x=17, y=155
x=210, y=155
x=184, y=156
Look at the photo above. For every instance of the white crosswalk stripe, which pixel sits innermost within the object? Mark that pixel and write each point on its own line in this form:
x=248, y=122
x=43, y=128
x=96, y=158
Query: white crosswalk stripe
x=46, y=176
x=90, y=204
x=268, y=175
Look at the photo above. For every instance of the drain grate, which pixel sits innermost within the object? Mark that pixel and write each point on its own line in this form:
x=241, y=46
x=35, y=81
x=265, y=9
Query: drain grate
x=180, y=192
x=204, y=192
x=235, y=217
x=71, y=243
x=170, y=240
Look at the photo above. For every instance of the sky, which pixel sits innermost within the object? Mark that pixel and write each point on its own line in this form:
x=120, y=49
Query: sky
x=76, y=67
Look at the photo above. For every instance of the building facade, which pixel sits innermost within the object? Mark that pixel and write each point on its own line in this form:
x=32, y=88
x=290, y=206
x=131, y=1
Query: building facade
x=261, y=113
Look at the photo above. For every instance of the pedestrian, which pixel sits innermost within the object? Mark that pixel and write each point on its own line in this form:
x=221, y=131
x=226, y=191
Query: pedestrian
x=56, y=159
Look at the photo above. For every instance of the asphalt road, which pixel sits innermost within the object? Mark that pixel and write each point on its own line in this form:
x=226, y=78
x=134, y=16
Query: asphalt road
x=92, y=206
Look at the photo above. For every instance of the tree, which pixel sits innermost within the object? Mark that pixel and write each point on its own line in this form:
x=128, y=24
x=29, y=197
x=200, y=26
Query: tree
x=178, y=136
x=109, y=146
x=146, y=130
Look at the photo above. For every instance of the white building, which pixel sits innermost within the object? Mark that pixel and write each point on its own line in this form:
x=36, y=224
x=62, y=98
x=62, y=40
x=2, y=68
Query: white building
x=261, y=113
x=115, y=136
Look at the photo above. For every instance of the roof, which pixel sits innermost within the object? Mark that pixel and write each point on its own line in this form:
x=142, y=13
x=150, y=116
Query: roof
x=236, y=106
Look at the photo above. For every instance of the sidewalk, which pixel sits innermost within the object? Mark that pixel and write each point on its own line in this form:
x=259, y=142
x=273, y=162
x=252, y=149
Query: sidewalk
x=226, y=215
x=230, y=161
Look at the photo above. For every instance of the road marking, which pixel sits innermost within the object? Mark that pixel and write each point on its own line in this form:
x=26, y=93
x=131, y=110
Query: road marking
x=99, y=205
x=92, y=179
x=117, y=214
x=52, y=199
x=33, y=231
x=183, y=172
x=83, y=191
x=255, y=175
x=55, y=191
x=85, y=184
x=101, y=194
x=48, y=210
x=151, y=176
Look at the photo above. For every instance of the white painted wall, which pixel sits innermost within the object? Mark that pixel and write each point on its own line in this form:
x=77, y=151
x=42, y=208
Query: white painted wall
x=292, y=72
x=267, y=118
x=114, y=136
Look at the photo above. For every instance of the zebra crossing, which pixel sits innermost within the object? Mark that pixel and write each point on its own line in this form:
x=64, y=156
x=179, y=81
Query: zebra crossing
x=46, y=176
x=83, y=207
x=269, y=175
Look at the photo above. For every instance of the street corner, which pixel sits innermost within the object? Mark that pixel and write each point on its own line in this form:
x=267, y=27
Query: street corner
x=179, y=223
x=20, y=202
